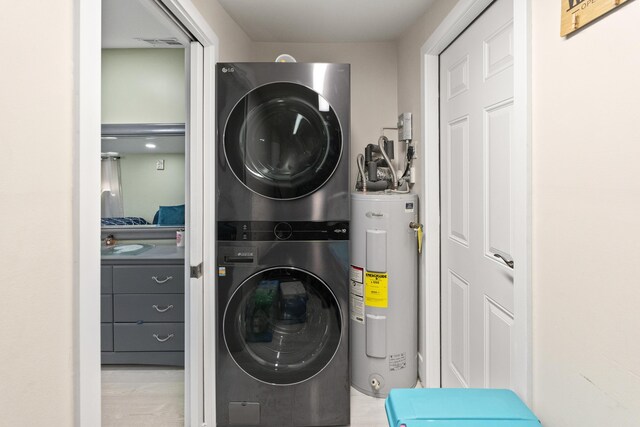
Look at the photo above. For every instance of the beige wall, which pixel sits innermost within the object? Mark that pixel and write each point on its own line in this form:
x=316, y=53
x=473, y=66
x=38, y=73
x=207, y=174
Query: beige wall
x=373, y=84
x=586, y=193
x=36, y=189
x=409, y=100
x=144, y=188
x=586, y=199
x=586, y=146
x=143, y=86
x=235, y=45
x=409, y=89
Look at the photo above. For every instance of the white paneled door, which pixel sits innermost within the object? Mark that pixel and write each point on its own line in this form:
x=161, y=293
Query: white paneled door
x=476, y=128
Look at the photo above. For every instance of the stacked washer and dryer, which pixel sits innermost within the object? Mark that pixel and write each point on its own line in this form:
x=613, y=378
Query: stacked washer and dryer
x=282, y=205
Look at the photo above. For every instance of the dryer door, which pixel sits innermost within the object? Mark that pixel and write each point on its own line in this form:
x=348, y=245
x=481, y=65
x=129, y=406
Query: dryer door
x=283, y=141
x=282, y=326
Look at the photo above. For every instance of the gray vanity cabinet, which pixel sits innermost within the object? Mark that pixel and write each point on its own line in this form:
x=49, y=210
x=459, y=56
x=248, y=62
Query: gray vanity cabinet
x=142, y=312
x=106, y=309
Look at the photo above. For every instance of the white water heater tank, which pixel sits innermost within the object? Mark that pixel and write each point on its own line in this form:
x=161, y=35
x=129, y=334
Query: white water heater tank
x=383, y=292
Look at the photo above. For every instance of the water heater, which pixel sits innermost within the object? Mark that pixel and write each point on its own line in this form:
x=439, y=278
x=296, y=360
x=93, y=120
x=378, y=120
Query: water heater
x=383, y=291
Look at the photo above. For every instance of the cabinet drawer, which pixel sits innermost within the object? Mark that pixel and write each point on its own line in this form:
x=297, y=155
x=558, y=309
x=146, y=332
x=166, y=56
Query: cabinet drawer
x=148, y=337
x=106, y=308
x=106, y=337
x=106, y=278
x=143, y=279
x=148, y=307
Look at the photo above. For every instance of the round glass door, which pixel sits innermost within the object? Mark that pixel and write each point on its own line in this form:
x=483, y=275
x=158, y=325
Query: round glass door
x=283, y=141
x=282, y=326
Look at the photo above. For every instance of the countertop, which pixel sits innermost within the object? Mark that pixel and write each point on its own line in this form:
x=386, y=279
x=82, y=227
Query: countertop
x=160, y=251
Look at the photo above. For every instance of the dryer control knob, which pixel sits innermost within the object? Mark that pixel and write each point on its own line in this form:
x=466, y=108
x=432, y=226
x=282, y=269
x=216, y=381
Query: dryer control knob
x=283, y=231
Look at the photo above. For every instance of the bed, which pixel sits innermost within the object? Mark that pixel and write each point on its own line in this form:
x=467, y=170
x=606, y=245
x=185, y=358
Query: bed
x=124, y=220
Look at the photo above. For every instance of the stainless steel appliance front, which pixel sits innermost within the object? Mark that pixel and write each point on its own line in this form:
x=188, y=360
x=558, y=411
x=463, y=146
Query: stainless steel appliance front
x=282, y=354
x=283, y=141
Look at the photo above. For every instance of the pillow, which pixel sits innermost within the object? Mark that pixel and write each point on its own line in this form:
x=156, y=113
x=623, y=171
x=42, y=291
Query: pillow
x=171, y=215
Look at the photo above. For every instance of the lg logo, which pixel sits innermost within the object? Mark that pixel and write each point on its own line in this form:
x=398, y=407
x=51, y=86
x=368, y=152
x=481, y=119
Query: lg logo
x=228, y=70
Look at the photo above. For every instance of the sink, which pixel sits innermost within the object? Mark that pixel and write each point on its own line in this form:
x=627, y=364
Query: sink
x=126, y=249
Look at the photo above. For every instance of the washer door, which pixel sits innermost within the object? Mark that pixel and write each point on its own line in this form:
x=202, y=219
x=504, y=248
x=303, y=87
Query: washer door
x=283, y=141
x=282, y=326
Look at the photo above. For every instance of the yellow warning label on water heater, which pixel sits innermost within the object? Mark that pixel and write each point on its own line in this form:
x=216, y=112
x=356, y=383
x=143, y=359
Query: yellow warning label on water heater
x=376, y=290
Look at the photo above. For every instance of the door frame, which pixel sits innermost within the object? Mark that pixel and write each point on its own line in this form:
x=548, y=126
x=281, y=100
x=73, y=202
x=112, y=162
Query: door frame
x=460, y=17
x=86, y=208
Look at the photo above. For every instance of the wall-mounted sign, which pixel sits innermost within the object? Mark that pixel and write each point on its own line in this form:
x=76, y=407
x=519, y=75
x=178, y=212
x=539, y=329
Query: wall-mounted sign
x=578, y=13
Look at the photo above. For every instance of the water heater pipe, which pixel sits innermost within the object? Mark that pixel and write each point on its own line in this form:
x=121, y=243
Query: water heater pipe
x=381, y=141
x=360, y=162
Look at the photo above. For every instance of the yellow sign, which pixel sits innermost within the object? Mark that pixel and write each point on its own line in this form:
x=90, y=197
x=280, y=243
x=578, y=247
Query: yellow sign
x=376, y=290
x=576, y=14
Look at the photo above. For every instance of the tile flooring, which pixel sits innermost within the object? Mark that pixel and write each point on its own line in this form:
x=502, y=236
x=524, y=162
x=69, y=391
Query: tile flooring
x=144, y=396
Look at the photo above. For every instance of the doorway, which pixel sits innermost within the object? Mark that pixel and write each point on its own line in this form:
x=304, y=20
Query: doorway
x=197, y=128
x=461, y=16
x=144, y=182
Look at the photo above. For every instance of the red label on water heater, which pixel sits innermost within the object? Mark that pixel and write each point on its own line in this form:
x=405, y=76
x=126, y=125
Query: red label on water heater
x=356, y=274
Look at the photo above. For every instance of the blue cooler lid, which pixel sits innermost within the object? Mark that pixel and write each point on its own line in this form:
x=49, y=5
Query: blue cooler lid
x=468, y=423
x=421, y=407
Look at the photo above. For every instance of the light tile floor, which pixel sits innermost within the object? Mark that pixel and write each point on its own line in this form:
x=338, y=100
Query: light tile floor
x=367, y=411
x=142, y=396
x=145, y=396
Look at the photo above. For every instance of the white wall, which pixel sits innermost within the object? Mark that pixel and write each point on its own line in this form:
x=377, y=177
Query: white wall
x=586, y=199
x=144, y=188
x=36, y=193
x=373, y=84
x=143, y=86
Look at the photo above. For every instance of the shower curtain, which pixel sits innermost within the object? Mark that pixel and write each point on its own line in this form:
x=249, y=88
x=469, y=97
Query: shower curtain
x=111, y=188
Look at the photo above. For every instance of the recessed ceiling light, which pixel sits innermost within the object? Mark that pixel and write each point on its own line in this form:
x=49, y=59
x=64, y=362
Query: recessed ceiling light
x=150, y=145
x=109, y=137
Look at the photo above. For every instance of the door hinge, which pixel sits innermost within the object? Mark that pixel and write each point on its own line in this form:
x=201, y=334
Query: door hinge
x=196, y=271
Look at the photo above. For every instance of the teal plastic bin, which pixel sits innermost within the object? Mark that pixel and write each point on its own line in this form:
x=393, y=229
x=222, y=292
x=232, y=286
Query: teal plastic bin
x=449, y=407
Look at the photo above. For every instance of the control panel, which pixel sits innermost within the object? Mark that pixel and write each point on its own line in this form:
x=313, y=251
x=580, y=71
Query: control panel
x=257, y=231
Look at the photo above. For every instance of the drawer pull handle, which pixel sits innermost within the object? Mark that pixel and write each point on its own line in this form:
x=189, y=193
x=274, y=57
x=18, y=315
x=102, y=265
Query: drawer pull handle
x=160, y=282
x=162, y=310
x=167, y=338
